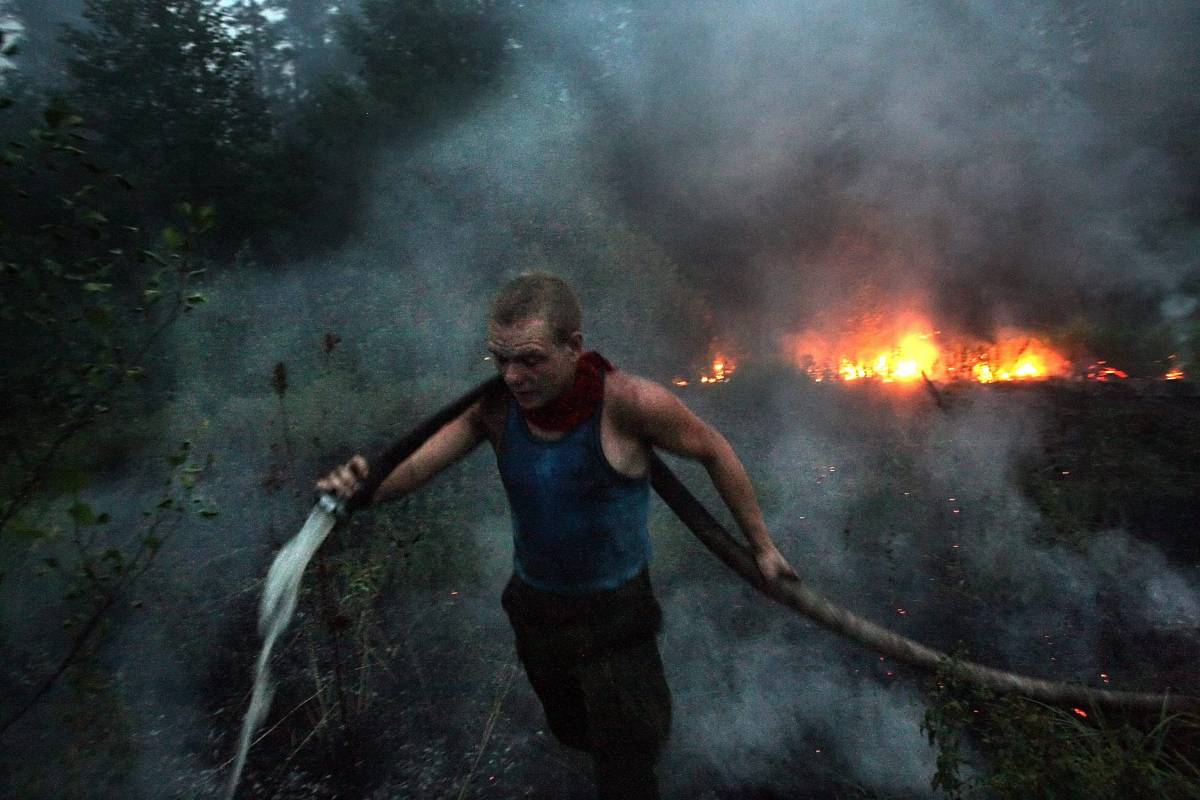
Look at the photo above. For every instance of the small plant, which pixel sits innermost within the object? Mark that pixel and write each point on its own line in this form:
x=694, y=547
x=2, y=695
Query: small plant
x=1014, y=748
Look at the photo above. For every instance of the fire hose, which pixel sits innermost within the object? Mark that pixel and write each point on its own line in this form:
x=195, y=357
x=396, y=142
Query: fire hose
x=795, y=593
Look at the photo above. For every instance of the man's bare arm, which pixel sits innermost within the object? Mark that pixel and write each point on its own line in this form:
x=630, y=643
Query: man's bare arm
x=446, y=447
x=659, y=417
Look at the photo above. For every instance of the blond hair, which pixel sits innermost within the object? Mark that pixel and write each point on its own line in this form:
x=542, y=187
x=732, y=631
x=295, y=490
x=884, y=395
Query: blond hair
x=538, y=295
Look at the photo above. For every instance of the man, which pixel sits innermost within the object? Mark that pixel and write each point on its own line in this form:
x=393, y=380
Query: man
x=572, y=438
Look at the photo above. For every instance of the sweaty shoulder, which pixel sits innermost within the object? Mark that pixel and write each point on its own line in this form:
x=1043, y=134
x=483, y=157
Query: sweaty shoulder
x=636, y=404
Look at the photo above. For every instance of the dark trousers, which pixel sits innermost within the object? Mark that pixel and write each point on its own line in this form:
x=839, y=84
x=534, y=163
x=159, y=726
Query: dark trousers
x=593, y=661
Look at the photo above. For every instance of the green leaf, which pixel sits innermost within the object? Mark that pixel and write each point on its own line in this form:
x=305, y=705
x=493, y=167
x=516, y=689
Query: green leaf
x=92, y=286
x=95, y=216
x=193, y=300
x=153, y=256
x=82, y=513
x=173, y=238
x=209, y=513
x=21, y=530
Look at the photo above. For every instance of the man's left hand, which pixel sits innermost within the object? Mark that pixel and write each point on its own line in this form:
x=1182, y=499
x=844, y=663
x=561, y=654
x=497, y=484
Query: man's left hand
x=772, y=565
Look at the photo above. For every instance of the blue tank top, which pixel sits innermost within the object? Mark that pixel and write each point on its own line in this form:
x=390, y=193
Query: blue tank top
x=578, y=524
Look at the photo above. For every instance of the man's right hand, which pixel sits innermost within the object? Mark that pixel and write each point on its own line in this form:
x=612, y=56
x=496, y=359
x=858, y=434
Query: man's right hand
x=346, y=480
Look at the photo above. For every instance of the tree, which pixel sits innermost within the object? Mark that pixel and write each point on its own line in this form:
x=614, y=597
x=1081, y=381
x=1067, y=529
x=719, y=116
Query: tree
x=424, y=57
x=309, y=29
x=171, y=88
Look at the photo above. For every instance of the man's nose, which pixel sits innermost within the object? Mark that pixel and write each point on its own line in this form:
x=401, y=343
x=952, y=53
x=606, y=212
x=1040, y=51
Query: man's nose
x=512, y=373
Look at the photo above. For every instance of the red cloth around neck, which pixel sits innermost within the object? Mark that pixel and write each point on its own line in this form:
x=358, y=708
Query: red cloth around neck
x=575, y=405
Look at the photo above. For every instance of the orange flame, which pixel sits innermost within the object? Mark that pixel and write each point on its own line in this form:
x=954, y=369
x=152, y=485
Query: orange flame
x=1100, y=371
x=721, y=370
x=918, y=351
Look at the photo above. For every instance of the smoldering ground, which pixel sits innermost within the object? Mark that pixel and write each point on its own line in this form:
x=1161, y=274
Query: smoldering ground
x=699, y=170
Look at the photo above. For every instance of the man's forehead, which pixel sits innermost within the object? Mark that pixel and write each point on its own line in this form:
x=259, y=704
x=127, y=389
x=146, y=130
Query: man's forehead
x=524, y=336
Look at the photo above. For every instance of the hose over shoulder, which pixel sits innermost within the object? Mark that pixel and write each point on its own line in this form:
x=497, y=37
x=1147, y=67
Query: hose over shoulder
x=383, y=465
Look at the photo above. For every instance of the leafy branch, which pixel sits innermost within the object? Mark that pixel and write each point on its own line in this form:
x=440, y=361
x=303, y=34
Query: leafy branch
x=101, y=578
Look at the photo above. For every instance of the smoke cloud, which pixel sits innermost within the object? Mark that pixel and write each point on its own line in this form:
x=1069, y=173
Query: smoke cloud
x=748, y=170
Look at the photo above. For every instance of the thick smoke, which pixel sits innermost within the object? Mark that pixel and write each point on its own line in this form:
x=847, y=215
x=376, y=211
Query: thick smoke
x=999, y=163
x=978, y=161
x=743, y=170
x=913, y=518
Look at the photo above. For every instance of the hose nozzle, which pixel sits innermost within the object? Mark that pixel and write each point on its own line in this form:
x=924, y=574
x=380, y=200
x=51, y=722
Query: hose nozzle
x=333, y=505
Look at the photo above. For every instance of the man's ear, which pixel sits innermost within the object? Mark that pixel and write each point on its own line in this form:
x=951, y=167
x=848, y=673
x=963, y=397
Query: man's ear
x=575, y=342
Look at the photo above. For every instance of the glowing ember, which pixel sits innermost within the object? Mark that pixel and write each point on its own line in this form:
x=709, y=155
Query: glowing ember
x=1100, y=371
x=1175, y=374
x=1080, y=712
x=913, y=350
x=722, y=368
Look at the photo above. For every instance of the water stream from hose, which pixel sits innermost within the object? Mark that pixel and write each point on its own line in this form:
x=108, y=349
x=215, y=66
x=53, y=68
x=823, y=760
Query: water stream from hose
x=274, y=613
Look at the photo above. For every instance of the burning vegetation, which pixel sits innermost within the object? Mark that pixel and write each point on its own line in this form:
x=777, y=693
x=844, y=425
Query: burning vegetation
x=719, y=369
x=913, y=351
x=918, y=351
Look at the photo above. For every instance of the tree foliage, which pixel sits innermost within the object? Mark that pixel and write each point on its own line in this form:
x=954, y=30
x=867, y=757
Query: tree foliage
x=423, y=59
x=171, y=89
x=84, y=296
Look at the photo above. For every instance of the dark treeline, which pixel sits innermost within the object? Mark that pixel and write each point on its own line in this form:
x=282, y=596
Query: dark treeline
x=266, y=111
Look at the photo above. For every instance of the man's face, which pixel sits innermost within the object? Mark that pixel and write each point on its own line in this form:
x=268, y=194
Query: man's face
x=535, y=367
